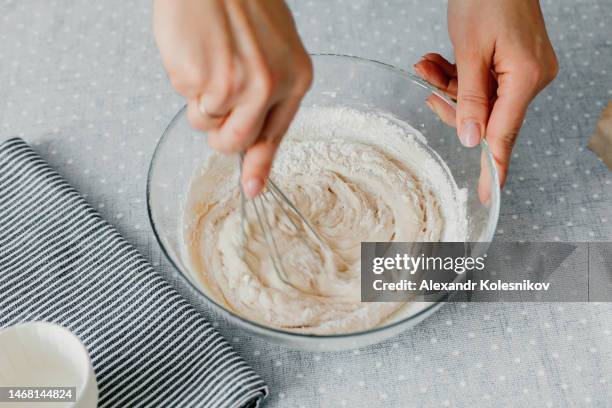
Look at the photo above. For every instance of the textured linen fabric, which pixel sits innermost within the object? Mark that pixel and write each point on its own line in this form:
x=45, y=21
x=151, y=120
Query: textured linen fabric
x=60, y=262
x=82, y=81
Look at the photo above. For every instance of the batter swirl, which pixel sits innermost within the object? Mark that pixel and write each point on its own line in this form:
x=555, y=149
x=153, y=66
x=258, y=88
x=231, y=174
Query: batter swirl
x=353, y=185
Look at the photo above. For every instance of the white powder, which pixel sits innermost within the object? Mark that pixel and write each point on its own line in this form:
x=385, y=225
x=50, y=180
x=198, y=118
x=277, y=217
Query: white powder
x=384, y=133
x=357, y=177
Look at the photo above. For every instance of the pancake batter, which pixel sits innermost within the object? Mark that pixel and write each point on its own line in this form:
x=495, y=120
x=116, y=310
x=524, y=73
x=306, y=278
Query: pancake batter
x=356, y=177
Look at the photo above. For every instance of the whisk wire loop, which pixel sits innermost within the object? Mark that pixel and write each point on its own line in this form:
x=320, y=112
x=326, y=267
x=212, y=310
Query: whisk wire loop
x=261, y=206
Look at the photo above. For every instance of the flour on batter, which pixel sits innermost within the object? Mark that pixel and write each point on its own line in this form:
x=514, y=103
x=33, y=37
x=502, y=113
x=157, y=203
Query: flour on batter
x=356, y=177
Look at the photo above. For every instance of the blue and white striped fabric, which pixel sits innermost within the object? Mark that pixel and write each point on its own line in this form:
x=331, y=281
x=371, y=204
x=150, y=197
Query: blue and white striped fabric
x=60, y=262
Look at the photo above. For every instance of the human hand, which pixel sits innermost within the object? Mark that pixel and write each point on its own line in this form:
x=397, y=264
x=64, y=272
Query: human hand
x=243, y=70
x=503, y=60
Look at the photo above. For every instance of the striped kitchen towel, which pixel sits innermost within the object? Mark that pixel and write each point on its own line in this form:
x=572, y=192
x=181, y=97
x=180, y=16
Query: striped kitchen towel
x=61, y=262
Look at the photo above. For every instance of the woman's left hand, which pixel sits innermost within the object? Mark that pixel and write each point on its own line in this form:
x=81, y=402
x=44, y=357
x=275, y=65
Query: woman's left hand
x=504, y=59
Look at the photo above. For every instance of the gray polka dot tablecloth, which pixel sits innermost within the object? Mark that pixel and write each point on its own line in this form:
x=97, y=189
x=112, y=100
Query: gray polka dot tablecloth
x=82, y=82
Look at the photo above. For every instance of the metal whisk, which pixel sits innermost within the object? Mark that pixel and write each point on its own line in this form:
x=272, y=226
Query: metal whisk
x=260, y=205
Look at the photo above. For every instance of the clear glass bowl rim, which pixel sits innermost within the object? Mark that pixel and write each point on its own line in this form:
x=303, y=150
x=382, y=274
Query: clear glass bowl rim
x=287, y=334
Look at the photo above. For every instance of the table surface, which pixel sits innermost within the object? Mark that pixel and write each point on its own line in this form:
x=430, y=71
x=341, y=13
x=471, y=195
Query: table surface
x=82, y=81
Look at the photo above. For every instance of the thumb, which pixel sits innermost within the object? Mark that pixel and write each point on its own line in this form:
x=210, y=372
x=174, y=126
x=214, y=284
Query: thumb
x=507, y=115
x=506, y=120
x=473, y=99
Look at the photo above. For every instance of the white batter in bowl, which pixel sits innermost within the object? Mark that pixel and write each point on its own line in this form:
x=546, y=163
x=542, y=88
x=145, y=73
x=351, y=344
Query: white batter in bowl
x=357, y=177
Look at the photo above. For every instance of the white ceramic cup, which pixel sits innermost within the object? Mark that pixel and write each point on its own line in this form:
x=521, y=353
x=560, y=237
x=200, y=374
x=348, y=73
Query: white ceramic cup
x=40, y=354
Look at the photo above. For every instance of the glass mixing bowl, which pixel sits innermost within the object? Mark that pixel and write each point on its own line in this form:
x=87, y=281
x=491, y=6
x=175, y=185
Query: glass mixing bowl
x=339, y=80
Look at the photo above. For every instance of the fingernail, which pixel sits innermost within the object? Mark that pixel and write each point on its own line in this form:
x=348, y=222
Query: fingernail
x=485, y=199
x=202, y=106
x=431, y=106
x=418, y=70
x=253, y=187
x=470, y=133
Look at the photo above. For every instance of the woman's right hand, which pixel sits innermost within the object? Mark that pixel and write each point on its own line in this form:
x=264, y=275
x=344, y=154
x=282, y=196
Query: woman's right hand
x=243, y=70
